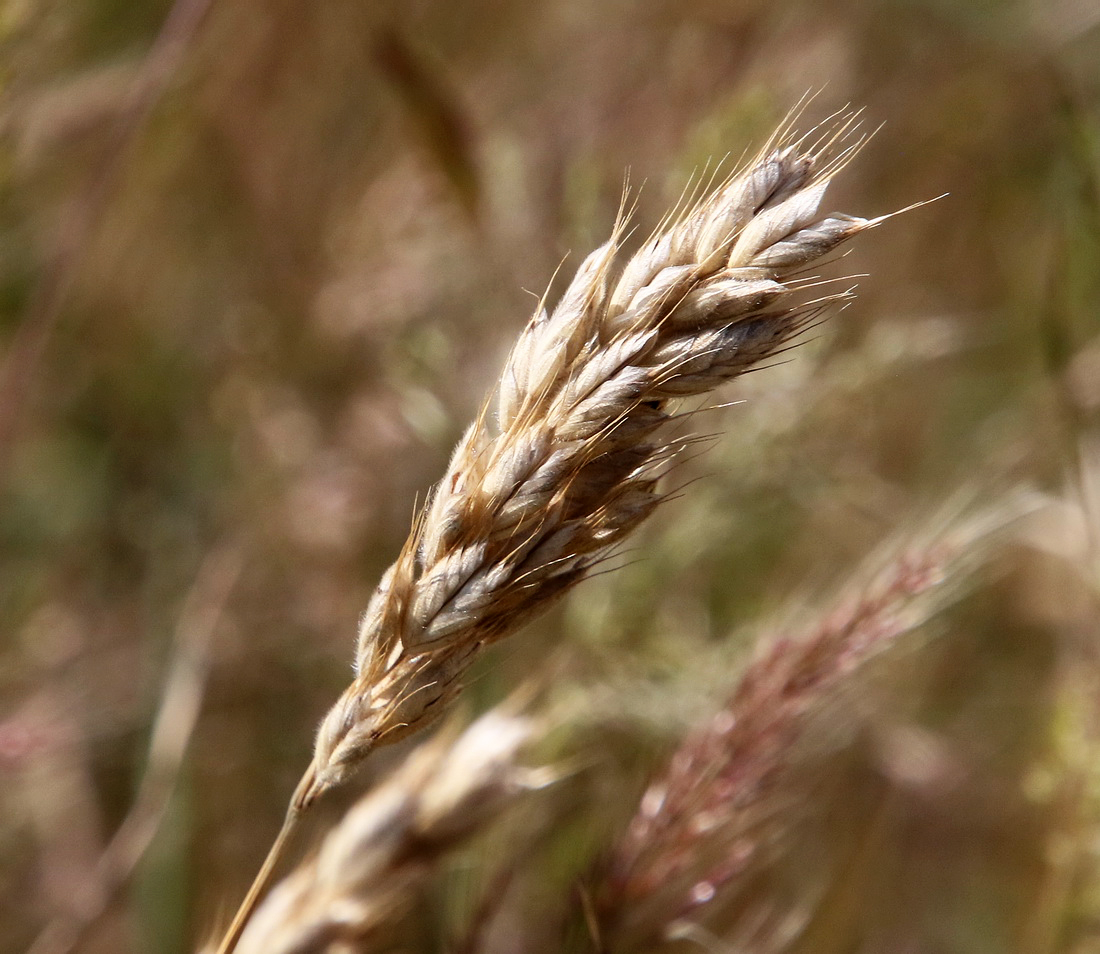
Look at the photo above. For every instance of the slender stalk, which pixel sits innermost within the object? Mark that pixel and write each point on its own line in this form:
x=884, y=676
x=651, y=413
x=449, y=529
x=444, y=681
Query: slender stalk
x=264, y=876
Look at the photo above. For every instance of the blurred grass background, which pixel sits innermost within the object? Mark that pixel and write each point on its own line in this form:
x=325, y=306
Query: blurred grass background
x=260, y=261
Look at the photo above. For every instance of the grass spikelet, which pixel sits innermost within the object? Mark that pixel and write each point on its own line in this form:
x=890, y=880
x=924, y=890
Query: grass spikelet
x=565, y=460
x=706, y=826
x=368, y=867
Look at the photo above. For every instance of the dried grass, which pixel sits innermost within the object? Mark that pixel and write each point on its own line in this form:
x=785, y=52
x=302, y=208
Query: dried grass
x=712, y=822
x=566, y=459
x=367, y=871
x=565, y=462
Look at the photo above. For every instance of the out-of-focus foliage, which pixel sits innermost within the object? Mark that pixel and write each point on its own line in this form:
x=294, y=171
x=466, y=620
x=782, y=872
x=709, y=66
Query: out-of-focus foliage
x=259, y=262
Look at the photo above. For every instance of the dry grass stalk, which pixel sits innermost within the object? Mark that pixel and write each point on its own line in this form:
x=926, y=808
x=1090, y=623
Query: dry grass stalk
x=705, y=826
x=565, y=461
x=368, y=868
